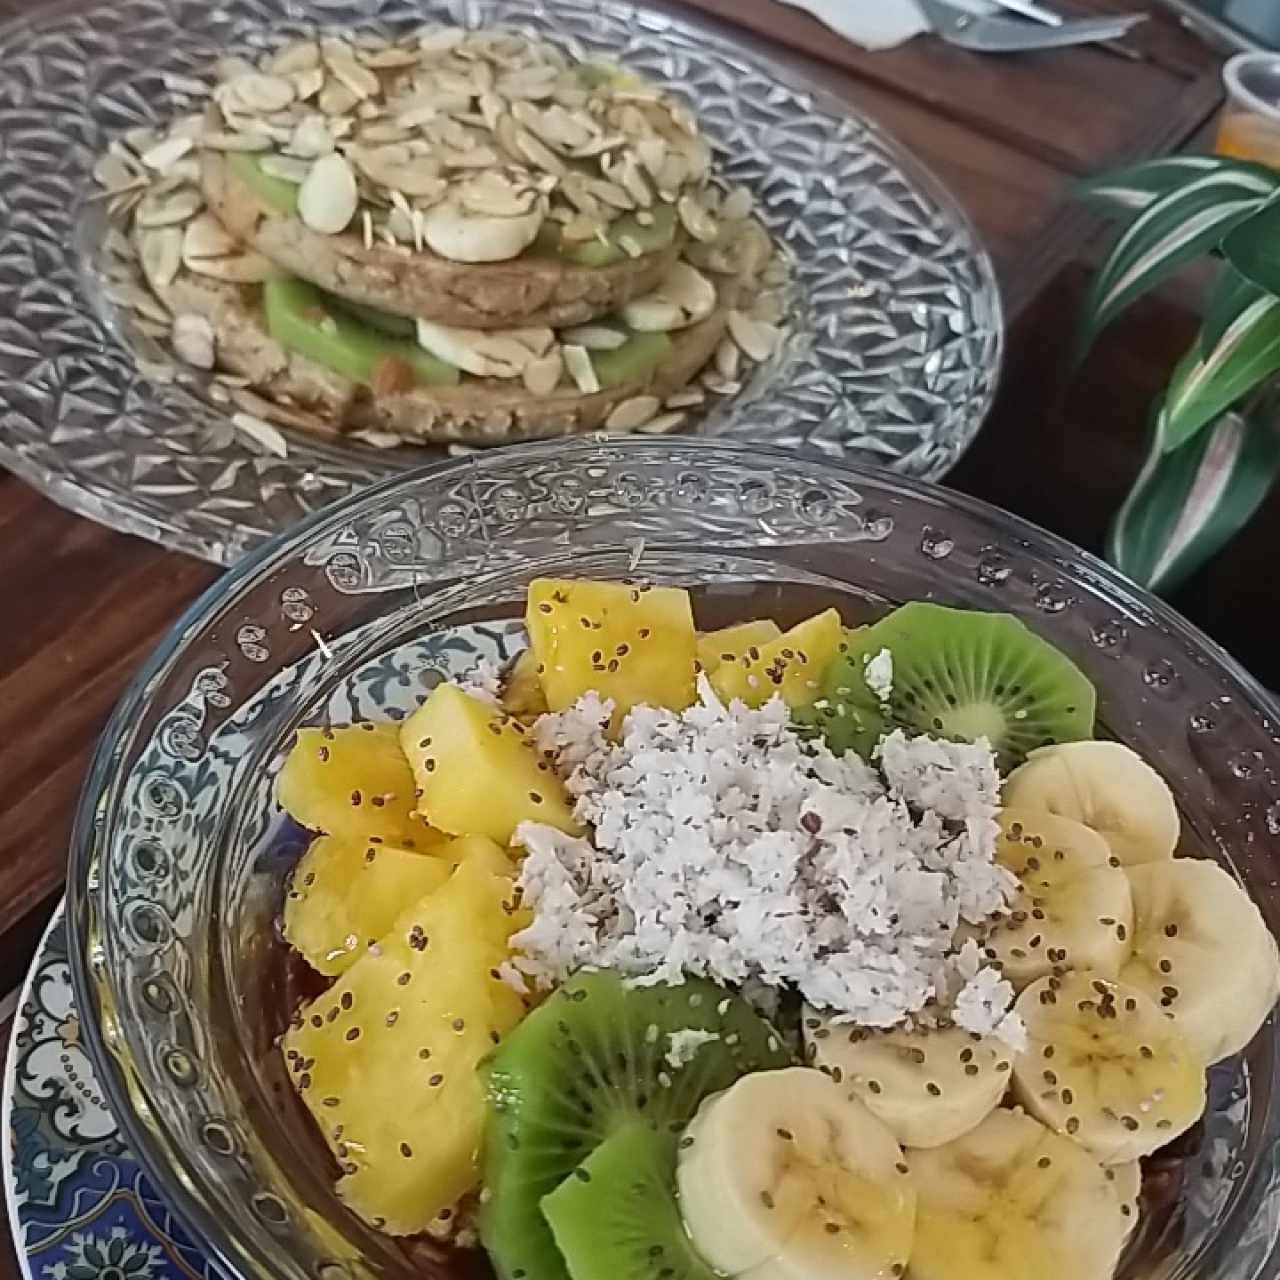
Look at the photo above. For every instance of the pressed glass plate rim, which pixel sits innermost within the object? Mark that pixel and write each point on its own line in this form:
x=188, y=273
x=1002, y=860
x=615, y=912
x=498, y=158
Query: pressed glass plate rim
x=114, y=507
x=103, y=781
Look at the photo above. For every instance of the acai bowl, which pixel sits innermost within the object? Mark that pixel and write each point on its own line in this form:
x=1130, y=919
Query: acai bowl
x=186, y=870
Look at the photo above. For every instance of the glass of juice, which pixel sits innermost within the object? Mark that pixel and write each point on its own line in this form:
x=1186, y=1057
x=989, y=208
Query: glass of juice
x=1250, y=124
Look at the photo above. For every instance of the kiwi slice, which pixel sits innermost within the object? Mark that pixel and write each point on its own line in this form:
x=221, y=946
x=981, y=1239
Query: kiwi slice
x=274, y=192
x=586, y=1063
x=303, y=319
x=600, y=253
x=959, y=674
x=616, y=1218
x=640, y=353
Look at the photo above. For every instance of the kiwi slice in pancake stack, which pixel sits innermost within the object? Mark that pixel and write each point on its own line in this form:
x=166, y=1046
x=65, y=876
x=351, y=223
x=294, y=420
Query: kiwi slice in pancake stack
x=584, y=1067
x=959, y=674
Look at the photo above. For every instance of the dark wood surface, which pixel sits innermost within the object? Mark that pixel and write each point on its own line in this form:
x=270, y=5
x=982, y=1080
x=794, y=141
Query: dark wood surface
x=82, y=606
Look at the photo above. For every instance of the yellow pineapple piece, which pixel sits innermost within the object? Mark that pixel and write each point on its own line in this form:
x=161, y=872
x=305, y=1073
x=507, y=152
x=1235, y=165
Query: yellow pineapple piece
x=791, y=665
x=477, y=772
x=632, y=644
x=730, y=643
x=355, y=784
x=344, y=896
x=386, y=1059
x=522, y=695
x=479, y=850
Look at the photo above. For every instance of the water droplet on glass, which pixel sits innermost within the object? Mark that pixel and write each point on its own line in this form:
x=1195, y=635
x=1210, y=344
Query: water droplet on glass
x=296, y=605
x=935, y=543
x=993, y=568
x=1112, y=636
x=250, y=641
x=1162, y=678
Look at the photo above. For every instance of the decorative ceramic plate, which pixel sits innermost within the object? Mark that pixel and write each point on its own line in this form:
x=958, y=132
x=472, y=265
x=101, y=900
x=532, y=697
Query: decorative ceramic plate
x=80, y=1208
x=892, y=352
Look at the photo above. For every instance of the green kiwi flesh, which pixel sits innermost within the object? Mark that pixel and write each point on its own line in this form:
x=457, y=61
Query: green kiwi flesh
x=616, y=1218
x=959, y=674
x=589, y=1061
x=275, y=193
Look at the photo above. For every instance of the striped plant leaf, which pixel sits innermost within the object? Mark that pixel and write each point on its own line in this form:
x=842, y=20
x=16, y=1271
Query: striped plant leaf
x=1203, y=388
x=1231, y=294
x=1189, y=502
x=1125, y=192
x=1253, y=248
x=1172, y=231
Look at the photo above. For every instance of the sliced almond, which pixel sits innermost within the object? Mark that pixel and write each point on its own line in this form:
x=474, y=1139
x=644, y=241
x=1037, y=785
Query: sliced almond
x=696, y=220
x=652, y=153
x=685, y=399
x=263, y=93
x=628, y=415
x=581, y=370
x=538, y=154
x=311, y=138
x=301, y=55
x=142, y=138
x=462, y=237
x=539, y=339
x=327, y=199
x=465, y=349
x=492, y=193
x=397, y=169
x=683, y=297
x=675, y=172
x=193, y=340
x=737, y=205
x=241, y=268
x=135, y=298
x=261, y=432
x=757, y=340
x=287, y=168
x=306, y=84
x=160, y=251
x=595, y=337
x=218, y=140
x=661, y=425
x=652, y=315
x=336, y=99
x=113, y=173
x=186, y=86
x=610, y=193
x=728, y=358
x=164, y=155
x=205, y=237
x=542, y=376
x=390, y=59
x=440, y=39
x=169, y=210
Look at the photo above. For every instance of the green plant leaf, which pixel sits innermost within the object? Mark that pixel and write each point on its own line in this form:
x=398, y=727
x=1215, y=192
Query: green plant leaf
x=1126, y=192
x=1172, y=231
x=1253, y=248
x=1188, y=503
x=1202, y=389
x=1231, y=294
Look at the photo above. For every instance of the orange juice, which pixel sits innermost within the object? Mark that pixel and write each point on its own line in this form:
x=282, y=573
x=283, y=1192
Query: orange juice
x=1249, y=137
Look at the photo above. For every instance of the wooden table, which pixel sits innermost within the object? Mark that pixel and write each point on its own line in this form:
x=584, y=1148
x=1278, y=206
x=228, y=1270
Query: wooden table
x=83, y=605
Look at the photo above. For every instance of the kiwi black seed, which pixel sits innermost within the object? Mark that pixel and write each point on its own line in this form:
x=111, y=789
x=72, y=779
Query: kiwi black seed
x=621, y=1222
x=959, y=674
x=586, y=1063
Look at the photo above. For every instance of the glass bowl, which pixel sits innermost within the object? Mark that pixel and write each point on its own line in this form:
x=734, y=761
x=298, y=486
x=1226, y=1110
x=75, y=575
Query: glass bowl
x=178, y=854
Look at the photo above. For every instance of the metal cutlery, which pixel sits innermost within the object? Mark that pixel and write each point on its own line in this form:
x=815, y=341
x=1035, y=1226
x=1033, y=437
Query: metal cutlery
x=1009, y=35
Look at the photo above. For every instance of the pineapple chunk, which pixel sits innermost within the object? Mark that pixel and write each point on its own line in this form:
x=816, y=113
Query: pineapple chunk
x=345, y=896
x=632, y=644
x=522, y=695
x=477, y=772
x=792, y=665
x=479, y=851
x=730, y=643
x=355, y=784
x=386, y=1060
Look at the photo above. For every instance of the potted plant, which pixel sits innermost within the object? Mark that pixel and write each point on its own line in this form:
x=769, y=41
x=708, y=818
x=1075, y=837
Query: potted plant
x=1214, y=447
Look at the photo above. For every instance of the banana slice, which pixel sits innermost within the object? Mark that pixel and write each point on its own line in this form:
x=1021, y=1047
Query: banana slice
x=784, y=1177
x=1013, y=1201
x=1106, y=1067
x=928, y=1086
x=1106, y=786
x=1073, y=908
x=1203, y=953
x=1126, y=1186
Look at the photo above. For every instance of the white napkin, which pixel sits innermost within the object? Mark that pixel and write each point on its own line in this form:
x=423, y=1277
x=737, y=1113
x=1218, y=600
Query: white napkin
x=879, y=24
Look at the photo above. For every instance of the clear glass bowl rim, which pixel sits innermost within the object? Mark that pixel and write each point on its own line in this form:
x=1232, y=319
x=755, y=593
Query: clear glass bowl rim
x=171, y=1177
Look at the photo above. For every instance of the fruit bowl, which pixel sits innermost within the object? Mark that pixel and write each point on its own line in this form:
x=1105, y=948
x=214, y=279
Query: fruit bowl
x=179, y=852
